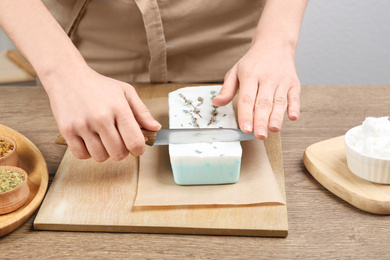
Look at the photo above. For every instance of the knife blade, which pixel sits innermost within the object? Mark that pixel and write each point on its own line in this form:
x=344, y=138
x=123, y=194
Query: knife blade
x=195, y=135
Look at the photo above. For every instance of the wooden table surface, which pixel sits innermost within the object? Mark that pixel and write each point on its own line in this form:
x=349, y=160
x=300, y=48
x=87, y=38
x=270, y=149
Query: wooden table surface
x=321, y=225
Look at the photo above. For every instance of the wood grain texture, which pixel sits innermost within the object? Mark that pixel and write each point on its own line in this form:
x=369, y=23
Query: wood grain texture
x=13, y=200
x=326, y=161
x=31, y=161
x=90, y=196
x=12, y=73
x=150, y=136
x=321, y=225
x=100, y=184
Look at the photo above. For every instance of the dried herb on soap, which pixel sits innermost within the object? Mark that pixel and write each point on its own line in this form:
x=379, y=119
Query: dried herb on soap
x=5, y=148
x=10, y=180
x=214, y=112
x=190, y=103
x=195, y=122
x=196, y=110
x=200, y=99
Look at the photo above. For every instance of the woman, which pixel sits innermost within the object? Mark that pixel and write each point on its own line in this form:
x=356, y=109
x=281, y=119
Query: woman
x=102, y=44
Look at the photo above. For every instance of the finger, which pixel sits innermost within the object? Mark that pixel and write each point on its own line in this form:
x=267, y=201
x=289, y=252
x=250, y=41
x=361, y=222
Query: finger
x=228, y=90
x=113, y=142
x=278, y=109
x=77, y=147
x=130, y=132
x=140, y=111
x=95, y=147
x=105, y=129
x=246, y=102
x=263, y=110
x=294, y=102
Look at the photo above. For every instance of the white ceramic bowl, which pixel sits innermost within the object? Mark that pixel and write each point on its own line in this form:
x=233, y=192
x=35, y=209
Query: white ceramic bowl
x=370, y=168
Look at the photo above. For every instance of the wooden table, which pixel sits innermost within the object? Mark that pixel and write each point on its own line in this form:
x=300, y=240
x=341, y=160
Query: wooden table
x=320, y=224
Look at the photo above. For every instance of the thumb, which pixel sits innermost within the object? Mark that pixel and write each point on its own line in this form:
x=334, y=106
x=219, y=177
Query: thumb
x=140, y=111
x=228, y=90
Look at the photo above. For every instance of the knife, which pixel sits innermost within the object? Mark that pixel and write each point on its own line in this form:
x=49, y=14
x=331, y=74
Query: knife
x=195, y=135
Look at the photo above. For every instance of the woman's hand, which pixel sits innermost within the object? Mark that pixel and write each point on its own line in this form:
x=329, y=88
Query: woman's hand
x=265, y=77
x=267, y=85
x=99, y=117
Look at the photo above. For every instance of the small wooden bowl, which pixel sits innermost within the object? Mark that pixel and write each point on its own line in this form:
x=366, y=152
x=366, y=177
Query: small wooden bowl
x=14, y=199
x=10, y=159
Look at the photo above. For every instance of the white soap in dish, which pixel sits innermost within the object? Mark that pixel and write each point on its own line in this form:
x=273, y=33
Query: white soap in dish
x=367, y=149
x=202, y=163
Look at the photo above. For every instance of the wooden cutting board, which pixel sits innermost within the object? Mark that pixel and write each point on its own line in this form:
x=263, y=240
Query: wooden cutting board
x=88, y=196
x=326, y=161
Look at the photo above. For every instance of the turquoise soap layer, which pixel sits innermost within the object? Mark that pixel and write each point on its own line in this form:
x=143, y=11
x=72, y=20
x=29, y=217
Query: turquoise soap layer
x=206, y=173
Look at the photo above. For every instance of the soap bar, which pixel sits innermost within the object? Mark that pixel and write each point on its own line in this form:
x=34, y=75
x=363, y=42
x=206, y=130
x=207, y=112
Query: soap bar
x=202, y=163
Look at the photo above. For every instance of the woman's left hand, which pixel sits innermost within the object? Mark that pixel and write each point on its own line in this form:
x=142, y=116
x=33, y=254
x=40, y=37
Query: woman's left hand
x=267, y=85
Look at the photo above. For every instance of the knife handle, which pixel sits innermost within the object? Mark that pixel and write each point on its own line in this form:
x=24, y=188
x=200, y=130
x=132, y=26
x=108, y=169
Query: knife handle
x=150, y=136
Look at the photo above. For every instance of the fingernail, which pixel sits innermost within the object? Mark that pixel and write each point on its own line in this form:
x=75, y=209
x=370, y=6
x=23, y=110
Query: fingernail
x=294, y=116
x=216, y=97
x=275, y=124
x=262, y=132
x=248, y=126
x=156, y=123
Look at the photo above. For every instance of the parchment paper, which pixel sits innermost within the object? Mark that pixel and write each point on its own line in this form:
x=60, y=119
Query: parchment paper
x=156, y=186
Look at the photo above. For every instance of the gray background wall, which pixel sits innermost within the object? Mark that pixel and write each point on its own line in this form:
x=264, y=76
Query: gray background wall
x=345, y=42
x=341, y=42
x=5, y=43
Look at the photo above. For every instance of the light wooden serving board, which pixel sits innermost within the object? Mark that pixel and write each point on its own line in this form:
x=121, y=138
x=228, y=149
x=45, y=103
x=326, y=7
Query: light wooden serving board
x=21, y=61
x=326, y=161
x=88, y=196
x=32, y=161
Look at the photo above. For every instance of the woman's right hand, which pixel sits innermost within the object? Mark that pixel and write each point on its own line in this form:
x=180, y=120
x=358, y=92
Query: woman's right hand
x=99, y=117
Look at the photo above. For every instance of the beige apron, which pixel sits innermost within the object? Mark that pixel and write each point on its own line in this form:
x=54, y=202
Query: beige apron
x=160, y=40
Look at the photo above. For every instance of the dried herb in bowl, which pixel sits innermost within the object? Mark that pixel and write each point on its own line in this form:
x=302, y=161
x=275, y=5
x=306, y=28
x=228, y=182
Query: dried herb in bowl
x=10, y=180
x=5, y=148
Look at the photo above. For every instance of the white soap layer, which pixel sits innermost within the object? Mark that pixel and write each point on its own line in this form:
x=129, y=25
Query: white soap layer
x=202, y=163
